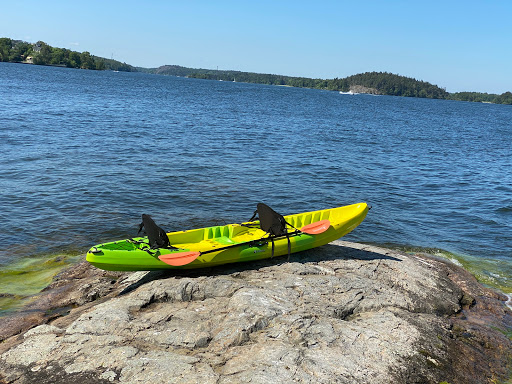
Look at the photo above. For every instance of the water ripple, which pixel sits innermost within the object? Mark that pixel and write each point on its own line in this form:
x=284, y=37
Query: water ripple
x=84, y=153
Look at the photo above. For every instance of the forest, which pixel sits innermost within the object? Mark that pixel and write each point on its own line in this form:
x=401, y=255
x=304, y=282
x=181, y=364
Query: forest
x=40, y=53
x=504, y=98
x=379, y=83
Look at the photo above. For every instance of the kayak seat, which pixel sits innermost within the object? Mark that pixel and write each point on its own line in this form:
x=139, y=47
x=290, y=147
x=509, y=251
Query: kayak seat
x=224, y=240
x=242, y=233
x=270, y=221
x=273, y=224
x=157, y=237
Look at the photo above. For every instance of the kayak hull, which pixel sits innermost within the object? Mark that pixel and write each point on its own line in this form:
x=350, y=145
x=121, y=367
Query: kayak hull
x=236, y=242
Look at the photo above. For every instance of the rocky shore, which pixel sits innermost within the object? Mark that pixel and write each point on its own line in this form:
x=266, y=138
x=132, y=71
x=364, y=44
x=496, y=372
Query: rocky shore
x=342, y=313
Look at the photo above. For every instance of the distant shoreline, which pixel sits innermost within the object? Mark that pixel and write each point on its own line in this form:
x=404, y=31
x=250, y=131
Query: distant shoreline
x=375, y=83
x=40, y=53
x=353, y=89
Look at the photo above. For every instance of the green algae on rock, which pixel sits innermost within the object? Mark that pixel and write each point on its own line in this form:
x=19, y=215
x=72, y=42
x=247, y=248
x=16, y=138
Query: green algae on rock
x=21, y=280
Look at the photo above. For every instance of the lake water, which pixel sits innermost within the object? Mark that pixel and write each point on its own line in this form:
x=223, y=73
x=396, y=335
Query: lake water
x=85, y=153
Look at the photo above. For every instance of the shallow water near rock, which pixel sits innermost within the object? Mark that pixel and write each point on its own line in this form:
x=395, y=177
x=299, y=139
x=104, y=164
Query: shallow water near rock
x=20, y=280
x=492, y=273
x=85, y=153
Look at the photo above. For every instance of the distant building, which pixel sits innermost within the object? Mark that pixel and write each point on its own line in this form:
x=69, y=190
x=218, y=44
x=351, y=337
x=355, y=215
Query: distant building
x=36, y=47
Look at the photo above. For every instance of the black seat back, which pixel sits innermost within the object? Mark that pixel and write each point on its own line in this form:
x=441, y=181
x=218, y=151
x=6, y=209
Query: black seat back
x=271, y=221
x=156, y=235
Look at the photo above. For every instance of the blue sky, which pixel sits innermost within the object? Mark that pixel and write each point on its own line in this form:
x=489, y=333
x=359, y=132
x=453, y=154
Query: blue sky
x=459, y=45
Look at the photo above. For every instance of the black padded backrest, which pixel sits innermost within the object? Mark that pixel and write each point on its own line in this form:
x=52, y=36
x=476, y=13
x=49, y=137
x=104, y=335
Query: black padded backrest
x=156, y=235
x=271, y=221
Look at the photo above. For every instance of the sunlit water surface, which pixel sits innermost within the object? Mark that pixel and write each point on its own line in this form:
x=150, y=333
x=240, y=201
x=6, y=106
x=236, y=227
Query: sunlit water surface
x=85, y=153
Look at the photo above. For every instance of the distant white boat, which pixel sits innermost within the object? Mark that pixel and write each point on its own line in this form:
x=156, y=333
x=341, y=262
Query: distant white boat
x=348, y=93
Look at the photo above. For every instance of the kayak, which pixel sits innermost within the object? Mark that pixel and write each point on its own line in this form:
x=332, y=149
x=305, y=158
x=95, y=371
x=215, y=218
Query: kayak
x=217, y=245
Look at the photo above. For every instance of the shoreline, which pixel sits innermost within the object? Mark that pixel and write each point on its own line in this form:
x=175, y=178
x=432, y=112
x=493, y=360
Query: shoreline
x=354, y=90
x=41, y=271
x=456, y=328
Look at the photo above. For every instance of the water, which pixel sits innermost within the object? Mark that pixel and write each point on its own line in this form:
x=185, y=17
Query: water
x=85, y=153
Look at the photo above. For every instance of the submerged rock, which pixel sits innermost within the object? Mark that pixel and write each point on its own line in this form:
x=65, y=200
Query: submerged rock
x=76, y=286
x=342, y=313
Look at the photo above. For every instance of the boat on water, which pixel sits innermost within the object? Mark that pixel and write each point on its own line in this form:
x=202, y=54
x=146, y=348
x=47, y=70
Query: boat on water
x=271, y=235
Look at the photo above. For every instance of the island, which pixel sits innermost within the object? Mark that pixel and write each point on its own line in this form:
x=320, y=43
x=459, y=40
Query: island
x=375, y=83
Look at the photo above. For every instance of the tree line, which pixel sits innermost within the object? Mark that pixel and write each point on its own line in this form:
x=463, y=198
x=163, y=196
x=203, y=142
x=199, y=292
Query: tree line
x=40, y=53
x=380, y=83
x=504, y=98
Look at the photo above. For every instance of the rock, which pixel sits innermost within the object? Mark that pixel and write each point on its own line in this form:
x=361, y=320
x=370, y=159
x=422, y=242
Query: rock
x=43, y=329
x=75, y=286
x=363, y=89
x=342, y=313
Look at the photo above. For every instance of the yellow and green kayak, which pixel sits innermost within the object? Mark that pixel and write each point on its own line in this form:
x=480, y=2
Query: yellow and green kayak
x=211, y=246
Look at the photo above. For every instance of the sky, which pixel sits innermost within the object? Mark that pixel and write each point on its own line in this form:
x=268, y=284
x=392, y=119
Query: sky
x=457, y=45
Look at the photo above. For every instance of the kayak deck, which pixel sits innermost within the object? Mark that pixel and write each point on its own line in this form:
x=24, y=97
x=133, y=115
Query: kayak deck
x=235, y=242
